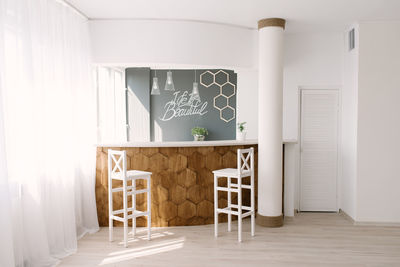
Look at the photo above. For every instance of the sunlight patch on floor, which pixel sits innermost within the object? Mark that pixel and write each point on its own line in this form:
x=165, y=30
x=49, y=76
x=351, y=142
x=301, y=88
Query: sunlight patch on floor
x=137, y=249
x=138, y=237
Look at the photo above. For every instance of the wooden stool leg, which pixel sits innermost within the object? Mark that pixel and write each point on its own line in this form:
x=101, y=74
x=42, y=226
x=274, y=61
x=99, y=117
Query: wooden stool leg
x=229, y=204
x=133, y=207
x=215, y=206
x=125, y=200
x=148, y=209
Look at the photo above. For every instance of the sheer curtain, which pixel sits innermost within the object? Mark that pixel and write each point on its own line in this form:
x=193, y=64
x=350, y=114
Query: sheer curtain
x=47, y=165
x=111, y=97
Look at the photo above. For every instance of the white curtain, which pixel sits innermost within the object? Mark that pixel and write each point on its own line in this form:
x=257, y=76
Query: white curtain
x=111, y=105
x=47, y=165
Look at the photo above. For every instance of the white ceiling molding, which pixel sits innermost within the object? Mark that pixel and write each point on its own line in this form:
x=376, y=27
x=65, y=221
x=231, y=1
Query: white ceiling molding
x=65, y=2
x=301, y=15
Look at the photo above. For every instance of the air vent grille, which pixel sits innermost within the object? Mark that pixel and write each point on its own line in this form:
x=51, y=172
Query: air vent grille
x=352, y=43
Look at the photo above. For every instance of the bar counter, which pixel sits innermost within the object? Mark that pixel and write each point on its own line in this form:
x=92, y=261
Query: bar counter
x=182, y=182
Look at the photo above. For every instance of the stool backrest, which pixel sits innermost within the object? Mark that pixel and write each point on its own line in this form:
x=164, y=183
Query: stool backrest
x=116, y=163
x=245, y=160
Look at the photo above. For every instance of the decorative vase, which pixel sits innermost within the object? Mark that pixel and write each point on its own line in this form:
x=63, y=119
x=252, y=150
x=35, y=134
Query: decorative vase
x=198, y=137
x=241, y=136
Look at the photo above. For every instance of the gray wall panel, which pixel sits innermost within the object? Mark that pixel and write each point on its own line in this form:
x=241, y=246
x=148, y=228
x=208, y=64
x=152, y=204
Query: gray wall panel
x=178, y=128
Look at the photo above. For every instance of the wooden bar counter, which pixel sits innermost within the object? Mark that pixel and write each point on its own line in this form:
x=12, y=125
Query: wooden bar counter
x=182, y=183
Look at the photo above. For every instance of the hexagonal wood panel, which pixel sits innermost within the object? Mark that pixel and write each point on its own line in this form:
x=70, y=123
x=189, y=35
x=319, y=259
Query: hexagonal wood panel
x=182, y=183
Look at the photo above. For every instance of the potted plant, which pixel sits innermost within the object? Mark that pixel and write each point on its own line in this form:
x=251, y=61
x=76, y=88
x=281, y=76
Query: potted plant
x=199, y=133
x=241, y=133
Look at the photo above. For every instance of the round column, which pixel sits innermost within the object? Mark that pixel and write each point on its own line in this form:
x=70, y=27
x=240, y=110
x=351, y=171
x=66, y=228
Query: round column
x=270, y=94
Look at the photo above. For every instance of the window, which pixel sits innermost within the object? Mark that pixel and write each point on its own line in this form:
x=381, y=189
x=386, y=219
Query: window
x=111, y=105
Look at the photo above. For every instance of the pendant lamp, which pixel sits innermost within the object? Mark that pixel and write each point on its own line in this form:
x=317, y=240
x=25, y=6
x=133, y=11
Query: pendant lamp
x=195, y=91
x=155, y=89
x=169, y=83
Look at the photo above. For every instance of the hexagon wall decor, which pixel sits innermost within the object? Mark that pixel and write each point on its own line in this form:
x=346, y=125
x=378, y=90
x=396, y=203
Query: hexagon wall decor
x=226, y=90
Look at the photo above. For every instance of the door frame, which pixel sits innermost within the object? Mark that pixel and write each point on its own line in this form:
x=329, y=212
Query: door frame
x=339, y=141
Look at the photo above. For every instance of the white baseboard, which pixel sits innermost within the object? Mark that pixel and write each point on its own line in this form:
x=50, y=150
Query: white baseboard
x=346, y=216
x=288, y=218
x=382, y=224
x=368, y=223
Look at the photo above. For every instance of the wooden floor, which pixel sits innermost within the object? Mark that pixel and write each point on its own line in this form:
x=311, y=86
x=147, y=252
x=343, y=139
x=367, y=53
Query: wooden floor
x=310, y=239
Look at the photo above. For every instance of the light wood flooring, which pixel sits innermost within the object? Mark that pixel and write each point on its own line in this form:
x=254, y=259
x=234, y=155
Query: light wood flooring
x=310, y=239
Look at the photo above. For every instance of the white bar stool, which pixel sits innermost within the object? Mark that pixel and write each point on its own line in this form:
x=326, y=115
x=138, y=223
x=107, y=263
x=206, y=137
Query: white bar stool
x=119, y=172
x=245, y=168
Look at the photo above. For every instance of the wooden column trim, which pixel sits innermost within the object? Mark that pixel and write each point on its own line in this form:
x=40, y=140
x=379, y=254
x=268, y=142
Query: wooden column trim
x=277, y=22
x=269, y=221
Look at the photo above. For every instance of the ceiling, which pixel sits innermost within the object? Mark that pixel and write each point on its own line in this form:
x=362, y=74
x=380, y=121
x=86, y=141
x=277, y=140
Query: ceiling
x=301, y=15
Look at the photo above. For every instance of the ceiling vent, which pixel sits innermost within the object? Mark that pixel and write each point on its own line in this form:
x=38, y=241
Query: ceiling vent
x=352, y=39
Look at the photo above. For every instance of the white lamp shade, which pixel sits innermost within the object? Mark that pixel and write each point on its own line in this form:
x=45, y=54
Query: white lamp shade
x=169, y=83
x=155, y=89
x=195, y=91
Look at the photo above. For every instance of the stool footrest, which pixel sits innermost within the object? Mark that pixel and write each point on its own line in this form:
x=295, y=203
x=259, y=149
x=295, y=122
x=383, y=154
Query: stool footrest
x=119, y=189
x=243, y=207
x=219, y=188
x=228, y=210
x=135, y=213
x=117, y=218
x=243, y=186
x=129, y=178
x=246, y=214
x=135, y=192
x=122, y=211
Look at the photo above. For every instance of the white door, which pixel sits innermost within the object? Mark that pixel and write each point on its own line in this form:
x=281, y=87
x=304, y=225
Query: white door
x=318, y=150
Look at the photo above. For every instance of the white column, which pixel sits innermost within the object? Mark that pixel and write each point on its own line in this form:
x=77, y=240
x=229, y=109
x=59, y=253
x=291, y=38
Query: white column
x=270, y=122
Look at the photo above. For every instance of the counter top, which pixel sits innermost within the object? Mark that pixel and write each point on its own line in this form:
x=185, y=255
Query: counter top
x=186, y=143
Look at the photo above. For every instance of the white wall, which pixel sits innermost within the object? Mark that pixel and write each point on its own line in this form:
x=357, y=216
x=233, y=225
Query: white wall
x=348, y=146
x=184, y=44
x=378, y=148
x=311, y=61
x=172, y=43
x=247, y=101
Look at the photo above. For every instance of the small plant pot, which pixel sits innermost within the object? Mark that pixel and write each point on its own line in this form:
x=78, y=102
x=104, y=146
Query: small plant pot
x=241, y=136
x=197, y=137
